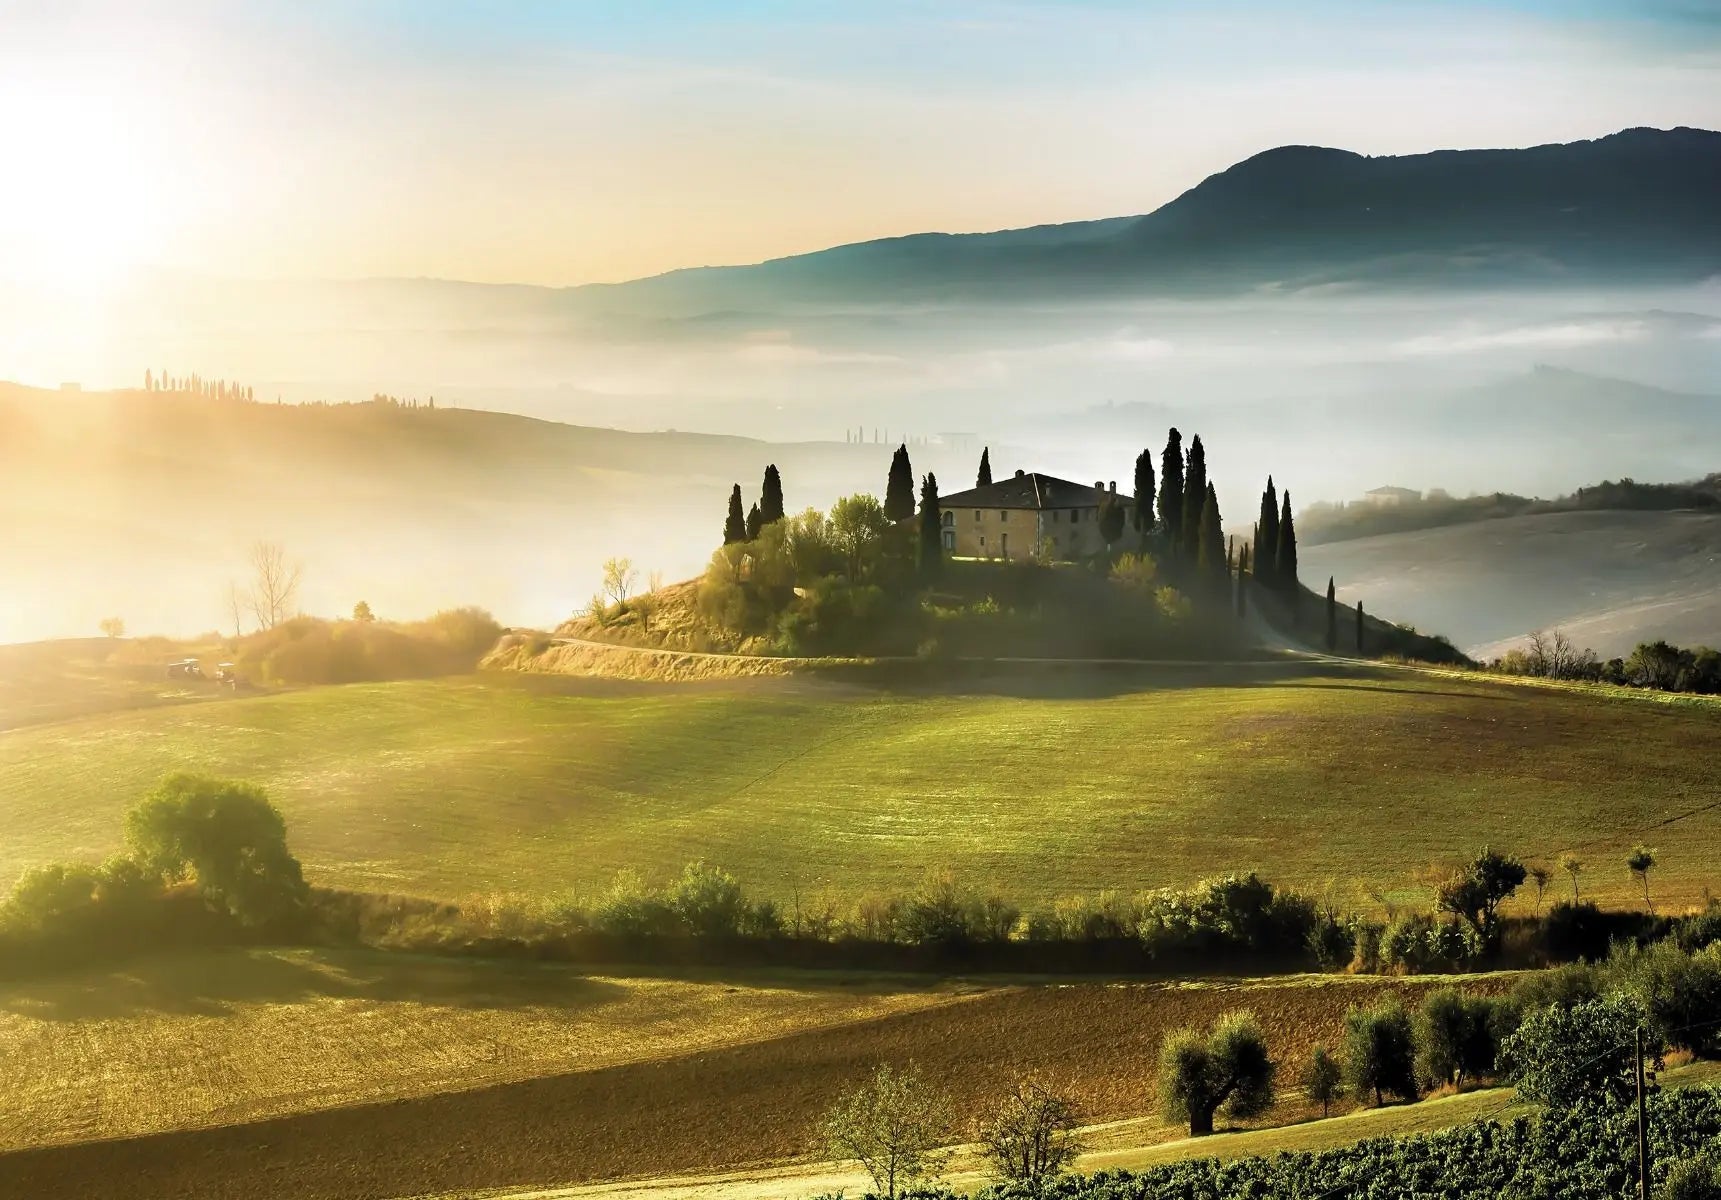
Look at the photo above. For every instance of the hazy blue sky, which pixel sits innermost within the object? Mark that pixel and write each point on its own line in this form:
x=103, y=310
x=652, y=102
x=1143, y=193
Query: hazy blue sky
x=559, y=143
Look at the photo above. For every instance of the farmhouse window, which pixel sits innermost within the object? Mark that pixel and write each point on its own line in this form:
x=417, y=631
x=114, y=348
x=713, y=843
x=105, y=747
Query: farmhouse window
x=1003, y=514
x=1075, y=515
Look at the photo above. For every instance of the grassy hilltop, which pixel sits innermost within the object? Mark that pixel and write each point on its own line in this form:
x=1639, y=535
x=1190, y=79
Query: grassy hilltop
x=1036, y=784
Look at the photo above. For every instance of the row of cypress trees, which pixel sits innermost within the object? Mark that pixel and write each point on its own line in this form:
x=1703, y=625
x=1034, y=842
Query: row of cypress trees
x=739, y=527
x=1274, y=555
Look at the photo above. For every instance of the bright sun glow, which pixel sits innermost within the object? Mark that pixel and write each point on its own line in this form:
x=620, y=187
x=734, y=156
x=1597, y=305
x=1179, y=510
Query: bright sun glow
x=84, y=203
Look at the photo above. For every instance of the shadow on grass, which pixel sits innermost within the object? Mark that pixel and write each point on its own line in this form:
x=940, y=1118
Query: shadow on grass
x=213, y=983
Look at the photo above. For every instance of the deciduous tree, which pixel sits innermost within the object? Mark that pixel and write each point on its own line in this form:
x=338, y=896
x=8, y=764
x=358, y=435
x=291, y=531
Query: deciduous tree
x=274, y=584
x=893, y=1125
x=225, y=835
x=1028, y=1135
x=1640, y=862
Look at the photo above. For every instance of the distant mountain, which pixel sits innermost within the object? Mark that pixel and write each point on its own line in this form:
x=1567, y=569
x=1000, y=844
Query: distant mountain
x=1642, y=205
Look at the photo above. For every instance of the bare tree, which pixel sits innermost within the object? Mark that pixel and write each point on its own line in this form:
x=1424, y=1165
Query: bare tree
x=893, y=1125
x=274, y=584
x=1029, y=1134
x=619, y=578
x=236, y=604
x=648, y=602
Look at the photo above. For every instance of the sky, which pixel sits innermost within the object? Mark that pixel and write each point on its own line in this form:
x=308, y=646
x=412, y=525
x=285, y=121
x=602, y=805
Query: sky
x=588, y=141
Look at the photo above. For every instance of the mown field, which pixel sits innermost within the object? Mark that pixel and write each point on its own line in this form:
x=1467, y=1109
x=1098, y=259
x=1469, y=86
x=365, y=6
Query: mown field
x=1033, y=785
x=556, y=1078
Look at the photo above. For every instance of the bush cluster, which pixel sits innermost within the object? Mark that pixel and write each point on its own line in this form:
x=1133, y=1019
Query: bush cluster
x=310, y=650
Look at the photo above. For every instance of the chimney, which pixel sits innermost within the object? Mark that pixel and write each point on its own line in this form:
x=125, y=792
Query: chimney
x=1112, y=487
x=1020, y=472
x=1099, y=485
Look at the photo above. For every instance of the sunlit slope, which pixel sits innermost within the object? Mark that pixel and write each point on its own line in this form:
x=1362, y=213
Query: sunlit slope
x=1608, y=579
x=452, y=787
x=144, y=506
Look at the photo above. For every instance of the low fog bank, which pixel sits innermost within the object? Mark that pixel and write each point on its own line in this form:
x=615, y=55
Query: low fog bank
x=1609, y=580
x=124, y=508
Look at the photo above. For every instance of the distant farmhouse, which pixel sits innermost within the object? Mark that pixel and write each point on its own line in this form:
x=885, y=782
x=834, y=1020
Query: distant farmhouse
x=1012, y=517
x=1386, y=497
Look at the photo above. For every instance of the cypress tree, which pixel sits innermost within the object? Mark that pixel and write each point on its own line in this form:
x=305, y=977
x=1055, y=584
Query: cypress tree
x=1210, y=543
x=755, y=522
x=1332, y=617
x=1195, y=500
x=931, y=528
x=984, y=479
x=1267, y=535
x=1243, y=582
x=1144, y=492
x=1171, y=487
x=1359, y=626
x=735, y=527
x=771, y=496
x=1285, y=561
x=899, y=491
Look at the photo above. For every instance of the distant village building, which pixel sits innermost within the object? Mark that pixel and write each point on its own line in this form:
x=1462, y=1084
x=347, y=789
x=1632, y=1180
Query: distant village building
x=1386, y=497
x=1012, y=517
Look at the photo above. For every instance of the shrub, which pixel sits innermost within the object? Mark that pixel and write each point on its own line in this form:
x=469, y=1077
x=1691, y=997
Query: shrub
x=708, y=901
x=1692, y=1179
x=226, y=835
x=1419, y=944
x=1579, y=1055
x=1231, y=913
x=1575, y=931
x=631, y=909
x=1680, y=992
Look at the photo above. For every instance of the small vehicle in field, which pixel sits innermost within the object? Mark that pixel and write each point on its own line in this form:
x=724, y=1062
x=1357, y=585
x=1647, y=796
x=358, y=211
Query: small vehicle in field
x=185, y=668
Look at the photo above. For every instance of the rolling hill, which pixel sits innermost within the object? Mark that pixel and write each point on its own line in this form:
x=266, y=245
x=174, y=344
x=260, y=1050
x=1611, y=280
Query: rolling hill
x=1609, y=580
x=1318, y=777
x=143, y=504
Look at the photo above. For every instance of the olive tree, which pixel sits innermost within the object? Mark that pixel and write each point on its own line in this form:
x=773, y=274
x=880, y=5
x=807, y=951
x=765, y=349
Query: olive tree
x=1323, y=1079
x=1563, y=1056
x=1028, y=1135
x=895, y=1125
x=1380, y=1053
x=1227, y=1068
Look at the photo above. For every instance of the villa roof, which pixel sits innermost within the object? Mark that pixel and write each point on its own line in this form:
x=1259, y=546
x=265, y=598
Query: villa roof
x=1030, y=490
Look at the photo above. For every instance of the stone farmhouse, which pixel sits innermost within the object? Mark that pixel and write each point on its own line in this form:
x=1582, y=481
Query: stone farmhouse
x=1010, y=518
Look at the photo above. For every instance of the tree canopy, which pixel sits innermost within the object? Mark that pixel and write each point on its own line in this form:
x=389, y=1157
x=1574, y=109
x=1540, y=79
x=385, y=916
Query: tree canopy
x=224, y=834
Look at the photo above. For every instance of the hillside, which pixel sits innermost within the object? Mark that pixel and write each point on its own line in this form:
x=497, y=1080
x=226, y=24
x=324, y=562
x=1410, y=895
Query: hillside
x=1320, y=778
x=1638, y=204
x=1609, y=579
x=143, y=505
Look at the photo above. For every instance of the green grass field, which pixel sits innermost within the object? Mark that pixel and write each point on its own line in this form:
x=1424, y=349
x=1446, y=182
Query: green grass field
x=1033, y=785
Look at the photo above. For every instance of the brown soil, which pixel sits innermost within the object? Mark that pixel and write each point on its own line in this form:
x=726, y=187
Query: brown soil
x=696, y=1112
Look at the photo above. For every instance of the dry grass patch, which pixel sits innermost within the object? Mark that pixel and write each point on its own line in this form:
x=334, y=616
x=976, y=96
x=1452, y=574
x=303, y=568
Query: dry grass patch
x=711, y=1109
x=211, y=1039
